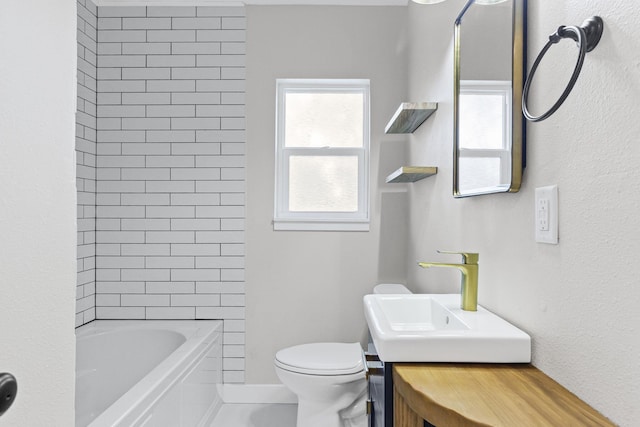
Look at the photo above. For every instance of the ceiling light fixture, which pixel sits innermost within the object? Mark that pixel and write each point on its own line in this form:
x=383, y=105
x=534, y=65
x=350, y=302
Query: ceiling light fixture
x=428, y=1
x=440, y=1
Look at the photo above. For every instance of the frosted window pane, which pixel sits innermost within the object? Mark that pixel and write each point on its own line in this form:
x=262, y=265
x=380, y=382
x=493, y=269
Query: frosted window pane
x=479, y=172
x=324, y=120
x=323, y=183
x=481, y=122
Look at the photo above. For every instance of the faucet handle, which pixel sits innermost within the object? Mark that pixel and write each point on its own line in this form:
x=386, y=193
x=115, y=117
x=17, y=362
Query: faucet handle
x=468, y=257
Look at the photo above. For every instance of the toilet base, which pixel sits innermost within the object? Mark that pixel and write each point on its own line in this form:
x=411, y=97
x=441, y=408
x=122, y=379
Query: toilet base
x=319, y=414
x=356, y=414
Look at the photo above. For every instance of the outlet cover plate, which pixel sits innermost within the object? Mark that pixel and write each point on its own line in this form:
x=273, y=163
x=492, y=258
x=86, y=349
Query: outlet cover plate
x=546, y=214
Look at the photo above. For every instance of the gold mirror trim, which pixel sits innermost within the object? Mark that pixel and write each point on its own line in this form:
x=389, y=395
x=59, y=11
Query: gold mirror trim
x=518, y=123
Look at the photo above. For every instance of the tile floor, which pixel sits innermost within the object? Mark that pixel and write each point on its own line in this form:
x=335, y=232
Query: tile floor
x=256, y=415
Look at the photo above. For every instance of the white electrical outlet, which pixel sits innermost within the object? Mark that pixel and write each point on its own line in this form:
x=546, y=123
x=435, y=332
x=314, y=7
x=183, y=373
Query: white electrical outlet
x=546, y=213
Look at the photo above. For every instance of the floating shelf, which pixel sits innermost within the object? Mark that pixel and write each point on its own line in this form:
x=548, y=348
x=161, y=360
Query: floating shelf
x=409, y=116
x=411, y=174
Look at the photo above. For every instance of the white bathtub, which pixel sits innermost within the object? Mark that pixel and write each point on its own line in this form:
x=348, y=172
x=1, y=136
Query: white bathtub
x=162, y=373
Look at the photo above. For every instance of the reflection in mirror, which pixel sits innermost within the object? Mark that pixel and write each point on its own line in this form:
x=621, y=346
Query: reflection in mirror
x=488, y=67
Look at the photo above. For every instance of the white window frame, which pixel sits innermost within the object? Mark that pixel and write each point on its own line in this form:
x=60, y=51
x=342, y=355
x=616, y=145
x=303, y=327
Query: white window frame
x=503, y=89
x=284, y=219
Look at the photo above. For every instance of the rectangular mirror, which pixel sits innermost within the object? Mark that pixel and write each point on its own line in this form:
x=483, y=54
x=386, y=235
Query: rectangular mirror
x=489, y=154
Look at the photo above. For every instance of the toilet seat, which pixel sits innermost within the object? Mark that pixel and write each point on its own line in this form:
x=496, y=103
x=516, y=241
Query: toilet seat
x=322, y=359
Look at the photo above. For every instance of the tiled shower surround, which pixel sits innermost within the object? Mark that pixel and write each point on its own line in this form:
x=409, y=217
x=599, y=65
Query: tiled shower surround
x=170, y=168
x=86, y=161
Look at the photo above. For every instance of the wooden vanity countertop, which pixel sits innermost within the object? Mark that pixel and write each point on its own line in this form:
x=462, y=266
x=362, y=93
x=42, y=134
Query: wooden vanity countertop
x=477, y=395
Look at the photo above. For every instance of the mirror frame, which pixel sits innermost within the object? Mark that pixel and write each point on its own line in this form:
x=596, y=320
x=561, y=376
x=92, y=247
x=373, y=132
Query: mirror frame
x=518, y=152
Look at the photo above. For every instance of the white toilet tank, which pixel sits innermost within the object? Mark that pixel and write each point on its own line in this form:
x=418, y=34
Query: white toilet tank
x=391, y=288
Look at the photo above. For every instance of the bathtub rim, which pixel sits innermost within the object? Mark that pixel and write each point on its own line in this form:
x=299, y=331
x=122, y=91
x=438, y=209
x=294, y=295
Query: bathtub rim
x=130, y=407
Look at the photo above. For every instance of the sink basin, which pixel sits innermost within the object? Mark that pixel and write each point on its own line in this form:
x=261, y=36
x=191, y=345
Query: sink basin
x=418, y=313
x=433, y=328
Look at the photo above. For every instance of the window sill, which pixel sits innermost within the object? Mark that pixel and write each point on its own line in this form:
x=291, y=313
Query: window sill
x=319, y=225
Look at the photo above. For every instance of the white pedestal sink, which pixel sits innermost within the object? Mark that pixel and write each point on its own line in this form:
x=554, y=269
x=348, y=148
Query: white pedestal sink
x=433, y=328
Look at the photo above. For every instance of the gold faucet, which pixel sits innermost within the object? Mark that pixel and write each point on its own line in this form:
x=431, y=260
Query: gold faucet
x=469, y=282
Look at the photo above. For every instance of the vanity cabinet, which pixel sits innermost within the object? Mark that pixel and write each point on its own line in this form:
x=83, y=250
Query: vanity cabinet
x=475, y=395
x=404, y=416
x=380, y=403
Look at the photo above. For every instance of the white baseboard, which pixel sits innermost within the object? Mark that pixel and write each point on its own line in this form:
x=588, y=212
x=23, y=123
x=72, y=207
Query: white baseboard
x=257, y=393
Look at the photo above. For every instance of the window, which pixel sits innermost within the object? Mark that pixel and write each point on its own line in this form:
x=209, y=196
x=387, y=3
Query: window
x=484, y=135
x=322, y=155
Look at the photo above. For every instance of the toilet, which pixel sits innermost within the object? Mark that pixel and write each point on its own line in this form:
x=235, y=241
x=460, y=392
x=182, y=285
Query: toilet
x=329, y=379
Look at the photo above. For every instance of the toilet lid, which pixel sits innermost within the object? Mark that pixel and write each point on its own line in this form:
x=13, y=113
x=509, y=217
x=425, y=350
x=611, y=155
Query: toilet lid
x=322, y=358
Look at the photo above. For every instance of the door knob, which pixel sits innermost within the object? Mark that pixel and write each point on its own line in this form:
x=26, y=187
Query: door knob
x=8, y=391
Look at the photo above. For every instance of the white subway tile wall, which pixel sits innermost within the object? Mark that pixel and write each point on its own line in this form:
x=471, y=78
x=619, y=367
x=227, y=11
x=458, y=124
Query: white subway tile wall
x=86, y=125
x=169, y=176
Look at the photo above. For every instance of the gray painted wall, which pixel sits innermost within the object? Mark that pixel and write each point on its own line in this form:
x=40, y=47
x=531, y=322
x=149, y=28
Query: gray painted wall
x=38, y=208
x=308, y=286
x=578, y=300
